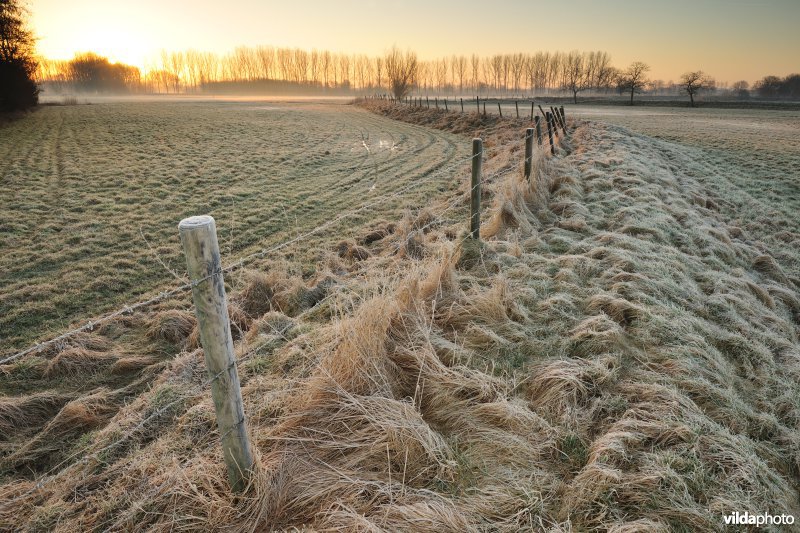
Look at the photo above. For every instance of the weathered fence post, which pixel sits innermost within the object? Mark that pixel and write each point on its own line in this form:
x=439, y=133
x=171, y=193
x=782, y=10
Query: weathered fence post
x=445, y=105
x=462, y=105
x=484, y=108
x=516, y=106
x=436, y=102
x=531, y=109
x=478, y=103
x=427, y=102
x=528, y=152
x=563, y=117
x=499, y=109
x=475, y=189
x=549, y=119
x=199, y=238
x=537, y=123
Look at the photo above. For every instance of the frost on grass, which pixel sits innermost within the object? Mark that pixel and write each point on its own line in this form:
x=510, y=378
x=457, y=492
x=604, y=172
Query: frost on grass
x=617, y=355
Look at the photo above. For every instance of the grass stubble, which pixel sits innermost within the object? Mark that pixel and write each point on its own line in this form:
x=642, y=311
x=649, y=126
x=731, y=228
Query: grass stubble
x=617, y=354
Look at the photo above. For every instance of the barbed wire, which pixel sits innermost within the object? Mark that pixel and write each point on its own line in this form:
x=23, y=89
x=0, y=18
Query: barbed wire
x=54, y=473
x=50, y=476
x=164, y=295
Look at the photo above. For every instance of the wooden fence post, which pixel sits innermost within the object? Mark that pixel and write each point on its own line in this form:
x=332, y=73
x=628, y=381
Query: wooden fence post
x=478, y=103
x=436, y=101
x=484, y=108
x=549, y=119
x=563, y=117
x=537, y=123
x=199, y=239
x=445, y=105
x=516, y=106
x=500, y=109
x=531, y=109
x=462, y=105
x=427, y=102
x=475, y=190
x=528, y=152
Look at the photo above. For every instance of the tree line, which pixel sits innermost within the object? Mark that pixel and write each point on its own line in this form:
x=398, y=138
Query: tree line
x=194, y=71
x=292, y=70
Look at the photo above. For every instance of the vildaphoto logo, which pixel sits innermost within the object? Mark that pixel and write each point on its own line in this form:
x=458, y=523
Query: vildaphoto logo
x=763, y=519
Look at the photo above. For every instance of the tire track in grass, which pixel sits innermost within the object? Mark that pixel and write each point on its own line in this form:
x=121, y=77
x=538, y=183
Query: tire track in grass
x=131, y=165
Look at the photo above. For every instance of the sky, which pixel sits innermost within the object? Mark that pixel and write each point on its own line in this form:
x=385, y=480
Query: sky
x=729, y=39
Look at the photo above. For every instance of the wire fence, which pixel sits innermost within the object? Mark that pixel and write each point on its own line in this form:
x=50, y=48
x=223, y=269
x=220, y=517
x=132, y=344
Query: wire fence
x=182, y=288
x=87, y=453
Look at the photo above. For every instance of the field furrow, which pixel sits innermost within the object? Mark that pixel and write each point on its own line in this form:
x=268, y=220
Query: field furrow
x=92, y=194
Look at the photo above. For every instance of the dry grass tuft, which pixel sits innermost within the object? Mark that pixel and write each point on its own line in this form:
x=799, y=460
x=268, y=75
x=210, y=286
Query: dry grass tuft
x=78, y=361
x=173, y=326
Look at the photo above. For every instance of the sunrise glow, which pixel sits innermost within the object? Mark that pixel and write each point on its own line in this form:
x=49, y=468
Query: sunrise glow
x=729, y=39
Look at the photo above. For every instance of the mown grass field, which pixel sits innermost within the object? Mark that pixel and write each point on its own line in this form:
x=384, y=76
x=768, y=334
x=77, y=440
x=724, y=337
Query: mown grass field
x=92, y=194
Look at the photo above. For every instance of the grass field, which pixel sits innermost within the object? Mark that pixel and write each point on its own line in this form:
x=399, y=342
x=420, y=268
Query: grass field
x=619, y=353
x=92, y=194
x=756, y=150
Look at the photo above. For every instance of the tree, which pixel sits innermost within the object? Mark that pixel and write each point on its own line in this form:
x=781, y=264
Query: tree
x=90, y=72
x=694, y=82
x=401, y=71
x=574, y=74
x=741, y=88
x=634, y=79
x=459, y=66
x=18, y=90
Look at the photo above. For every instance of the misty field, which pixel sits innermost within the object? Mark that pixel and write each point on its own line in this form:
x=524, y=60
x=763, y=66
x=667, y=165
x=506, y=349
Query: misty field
x=92, y=194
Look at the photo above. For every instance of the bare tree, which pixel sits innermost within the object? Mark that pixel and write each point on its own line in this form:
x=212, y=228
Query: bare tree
x=459, y=65
x=554, y=62
x=475, y=69
x=440, y=71
x=573, y=74
x=327, y=66
x=401, y=70
x=313, y=67
x=379, y=66
x=634, y=78
x=495, y=71
x=517, y=70
x=299, y=65
x=344, y=70
x=266, y=61
x=694, y=82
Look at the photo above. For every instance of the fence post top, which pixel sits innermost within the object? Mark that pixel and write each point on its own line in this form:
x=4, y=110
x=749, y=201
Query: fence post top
x=196, y=222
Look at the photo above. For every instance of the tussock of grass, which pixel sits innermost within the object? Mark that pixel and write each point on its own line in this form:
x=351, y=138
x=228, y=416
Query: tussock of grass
x=172, y=325
x=611, y=357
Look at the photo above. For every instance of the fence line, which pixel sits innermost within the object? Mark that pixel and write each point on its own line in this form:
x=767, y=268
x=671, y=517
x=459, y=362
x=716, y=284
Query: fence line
x=51, y=475
x=416, y=101
x=165, y=295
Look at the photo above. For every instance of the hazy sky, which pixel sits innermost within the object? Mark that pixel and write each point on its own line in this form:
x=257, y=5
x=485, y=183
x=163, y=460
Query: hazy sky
x=729, y=39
